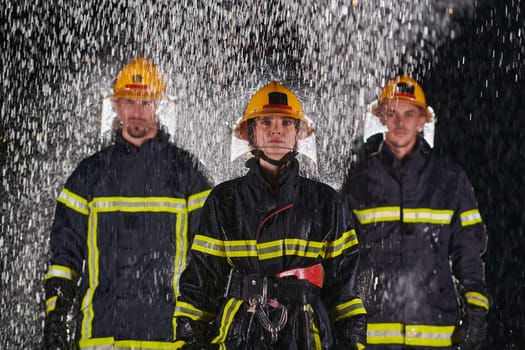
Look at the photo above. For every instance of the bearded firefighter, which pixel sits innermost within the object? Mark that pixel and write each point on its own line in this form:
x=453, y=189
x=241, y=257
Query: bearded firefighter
x=121, y=230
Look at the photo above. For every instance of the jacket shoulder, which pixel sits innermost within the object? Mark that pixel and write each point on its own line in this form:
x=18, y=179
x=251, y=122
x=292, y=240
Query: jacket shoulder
x=184, y=159
x=447, y=166
x=97, y=160
x=225, y=189
x=322, y=189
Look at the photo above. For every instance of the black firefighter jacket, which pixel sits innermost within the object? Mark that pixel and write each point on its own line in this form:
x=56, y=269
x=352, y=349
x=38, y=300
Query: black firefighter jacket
x=418, y=225
x=127, y=214
x=258, y=230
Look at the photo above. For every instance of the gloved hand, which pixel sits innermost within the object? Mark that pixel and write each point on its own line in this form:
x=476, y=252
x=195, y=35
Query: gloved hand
x=55, y=334
x=192, y=333
x=475, y=308
x=351, y=333
x=55, y=330
x=473, y=328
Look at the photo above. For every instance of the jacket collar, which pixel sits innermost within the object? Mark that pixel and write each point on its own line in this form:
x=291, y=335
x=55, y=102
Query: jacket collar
x=413, y=162
x=160, y=141
x=287, y=178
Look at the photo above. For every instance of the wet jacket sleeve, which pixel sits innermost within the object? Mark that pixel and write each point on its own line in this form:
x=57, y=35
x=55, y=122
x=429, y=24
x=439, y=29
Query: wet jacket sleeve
x=67, y=244
x=468, y=244
x=69, y=229
x=340, y=292
x=202, y=284
x=199, y=187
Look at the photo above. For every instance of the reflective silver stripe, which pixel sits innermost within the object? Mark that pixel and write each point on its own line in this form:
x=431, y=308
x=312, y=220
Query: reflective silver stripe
x=349, y=309
x=380, y=214
x=197, y=200
x=51, y=303
x=228, y=313
x=61, y=272
x=477, y=299
x=470, y=217
x=92, y=264
x=271, y=249
x=98, y=347
x=425, y=335
x=187, y=310
x=288, y=246
x=427, y=215
x=385, y=333
x=110, y=344
x=209, y=245
x=180, y=251
x=347, y=240
x=129, y=204
x=73, y=201
x=141, y=204
x=410, y=215
x=416, y=335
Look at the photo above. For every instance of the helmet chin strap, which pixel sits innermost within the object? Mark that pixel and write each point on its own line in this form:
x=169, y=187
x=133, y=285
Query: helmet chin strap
x=258, y=153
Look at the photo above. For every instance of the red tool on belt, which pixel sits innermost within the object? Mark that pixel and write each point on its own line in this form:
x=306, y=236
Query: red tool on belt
x=313, y=274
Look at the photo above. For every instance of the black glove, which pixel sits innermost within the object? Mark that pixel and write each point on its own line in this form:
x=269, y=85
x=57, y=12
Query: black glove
x=193, y=333
x=473, y=328
x=55, y=333
x=473, y=322
x=55, y=330
x=351, y=333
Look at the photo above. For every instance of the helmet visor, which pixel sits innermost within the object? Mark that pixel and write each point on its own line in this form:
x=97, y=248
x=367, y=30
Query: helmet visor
x=306, y=145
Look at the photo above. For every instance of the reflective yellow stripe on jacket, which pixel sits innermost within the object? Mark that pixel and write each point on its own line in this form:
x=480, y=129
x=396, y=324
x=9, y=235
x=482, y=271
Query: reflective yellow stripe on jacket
x=51, y=304
x=187, y=310
x=477, y=299
x=73, y=201
x=350, y=308
x=196, y=201
x=410, y=215
x=415, y=335
x=60, y=271
x=274, y=249
x=230, y=310
x=99, y=205
x=109, y=343
x=416, y=215
x=470, y=217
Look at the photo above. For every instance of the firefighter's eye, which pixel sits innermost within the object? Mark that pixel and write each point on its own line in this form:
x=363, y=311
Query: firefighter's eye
x=287, y=122
x=389, y=113
x=265, y=122
x=410, y=114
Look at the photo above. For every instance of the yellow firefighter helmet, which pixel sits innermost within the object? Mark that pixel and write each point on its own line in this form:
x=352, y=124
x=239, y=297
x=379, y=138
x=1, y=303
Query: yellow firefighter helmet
x=403, y=88
x=139, y=79
x=273, y=99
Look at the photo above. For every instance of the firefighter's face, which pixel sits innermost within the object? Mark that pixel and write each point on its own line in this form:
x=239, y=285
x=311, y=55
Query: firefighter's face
x=275, y=136
x=403, y=120
x=138, y=118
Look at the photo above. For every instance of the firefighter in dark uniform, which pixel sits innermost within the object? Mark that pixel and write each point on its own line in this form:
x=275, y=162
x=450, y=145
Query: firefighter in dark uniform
x=420, y=230
x=122, y=228
x=273, y=263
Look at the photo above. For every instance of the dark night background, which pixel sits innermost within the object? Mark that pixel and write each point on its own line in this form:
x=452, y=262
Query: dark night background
x=477, y=88
x=480, y=104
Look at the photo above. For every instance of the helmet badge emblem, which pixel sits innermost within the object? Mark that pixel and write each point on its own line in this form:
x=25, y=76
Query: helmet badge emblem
x=404, y=89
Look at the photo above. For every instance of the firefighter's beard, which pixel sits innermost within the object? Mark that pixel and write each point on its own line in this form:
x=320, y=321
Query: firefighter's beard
x=138, y=127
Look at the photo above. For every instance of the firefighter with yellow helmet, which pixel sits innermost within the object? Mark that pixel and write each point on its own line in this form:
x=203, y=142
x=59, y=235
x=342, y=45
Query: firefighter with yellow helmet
x=272, y=265
x=420, y=231
x=122, y=225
